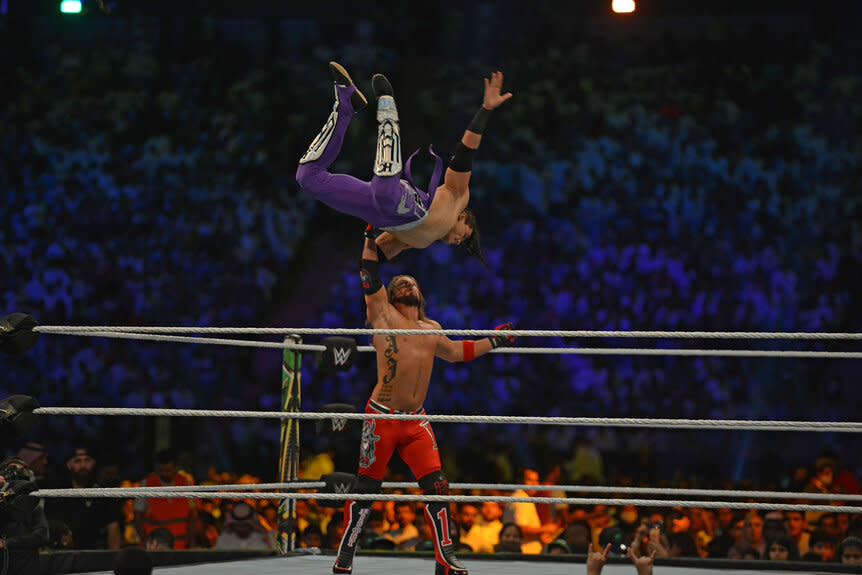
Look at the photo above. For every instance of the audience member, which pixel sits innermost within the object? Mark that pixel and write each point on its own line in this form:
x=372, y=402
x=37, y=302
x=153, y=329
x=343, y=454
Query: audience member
x=160, y=539
x=24, y=527
x=176, y=514
x=797, y=528
x=242, y=530
x=821, y=547
x=95, y=522
x=510, y=539
x=850, y=551
x=782, y=548
x=534, y=535
x=403, y=532
x=484, y=532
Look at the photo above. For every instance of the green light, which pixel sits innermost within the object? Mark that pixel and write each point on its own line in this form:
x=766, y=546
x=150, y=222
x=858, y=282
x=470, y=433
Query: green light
x=70, y=6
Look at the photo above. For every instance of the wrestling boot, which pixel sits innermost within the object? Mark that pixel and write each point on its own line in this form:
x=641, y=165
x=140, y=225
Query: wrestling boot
x=358, y=512
x=338, y=119
x=437, y=514
x=381, y=86
x=342, y=78
x=387, y=161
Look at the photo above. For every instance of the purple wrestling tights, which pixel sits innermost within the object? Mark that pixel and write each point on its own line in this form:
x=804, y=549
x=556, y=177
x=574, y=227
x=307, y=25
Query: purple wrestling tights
x=384, y=202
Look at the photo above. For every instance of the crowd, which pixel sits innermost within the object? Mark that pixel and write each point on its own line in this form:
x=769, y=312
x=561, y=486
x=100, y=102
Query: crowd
x=650, y=196
x=526, y=528
x=134, y=195
x=628, y=186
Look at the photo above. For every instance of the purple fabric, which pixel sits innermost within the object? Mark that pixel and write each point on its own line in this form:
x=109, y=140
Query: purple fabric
x=384, y=202
x=435, y=176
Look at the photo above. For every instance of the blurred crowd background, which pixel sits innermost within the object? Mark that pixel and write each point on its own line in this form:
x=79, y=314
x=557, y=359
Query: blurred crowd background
x=682, y=172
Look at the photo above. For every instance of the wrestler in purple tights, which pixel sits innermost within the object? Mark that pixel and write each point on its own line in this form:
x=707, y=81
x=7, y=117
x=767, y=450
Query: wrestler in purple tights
x=389, y=201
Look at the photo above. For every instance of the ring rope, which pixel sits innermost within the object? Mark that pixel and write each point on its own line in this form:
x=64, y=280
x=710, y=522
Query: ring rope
x=241, y=487
x=188, y=339
x=734, y=424
x=142, y=492
x=462, y=332
x=512, y=350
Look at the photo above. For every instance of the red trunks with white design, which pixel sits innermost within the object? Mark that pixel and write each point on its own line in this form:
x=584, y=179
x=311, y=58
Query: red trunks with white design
x=413, y=439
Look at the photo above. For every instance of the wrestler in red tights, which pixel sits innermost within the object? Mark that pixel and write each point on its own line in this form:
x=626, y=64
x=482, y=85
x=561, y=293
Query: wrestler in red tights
x=404, y=365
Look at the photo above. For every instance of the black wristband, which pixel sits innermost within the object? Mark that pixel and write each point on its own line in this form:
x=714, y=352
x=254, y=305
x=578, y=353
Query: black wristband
x=480, y=120
x=369, y=273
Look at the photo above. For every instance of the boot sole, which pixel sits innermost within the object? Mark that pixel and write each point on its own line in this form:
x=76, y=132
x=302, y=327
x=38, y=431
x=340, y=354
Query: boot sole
x=342, y=78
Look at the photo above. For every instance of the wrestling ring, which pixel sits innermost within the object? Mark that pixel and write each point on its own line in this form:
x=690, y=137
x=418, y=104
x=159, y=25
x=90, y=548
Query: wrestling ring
x=289, y=488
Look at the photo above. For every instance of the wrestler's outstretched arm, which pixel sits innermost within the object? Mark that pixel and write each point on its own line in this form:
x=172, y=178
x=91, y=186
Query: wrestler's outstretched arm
x=461, y=164
x=468, y=349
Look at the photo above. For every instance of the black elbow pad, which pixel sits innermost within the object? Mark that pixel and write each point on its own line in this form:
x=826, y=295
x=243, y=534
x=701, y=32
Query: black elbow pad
x=462, y=159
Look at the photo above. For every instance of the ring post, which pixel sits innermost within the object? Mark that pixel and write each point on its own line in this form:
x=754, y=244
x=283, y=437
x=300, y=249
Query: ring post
x=288, y=465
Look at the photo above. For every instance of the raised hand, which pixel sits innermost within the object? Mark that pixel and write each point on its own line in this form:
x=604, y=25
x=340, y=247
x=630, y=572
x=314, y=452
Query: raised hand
x=643, y=564
x=596, y=560
x=493, y=85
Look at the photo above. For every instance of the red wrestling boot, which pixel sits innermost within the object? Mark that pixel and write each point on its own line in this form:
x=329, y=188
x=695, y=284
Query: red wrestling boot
x=437, y=515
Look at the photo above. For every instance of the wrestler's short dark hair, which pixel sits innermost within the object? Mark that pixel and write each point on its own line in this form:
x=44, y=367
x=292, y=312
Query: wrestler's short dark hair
x=474, y=247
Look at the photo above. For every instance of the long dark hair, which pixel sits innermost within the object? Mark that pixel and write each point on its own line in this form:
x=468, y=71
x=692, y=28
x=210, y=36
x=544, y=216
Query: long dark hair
x=474, y=247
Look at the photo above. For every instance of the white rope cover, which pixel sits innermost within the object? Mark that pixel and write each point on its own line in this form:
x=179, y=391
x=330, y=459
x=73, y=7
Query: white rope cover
x=134, y=334
x=513, y=486
x=285, y=331
x=144, y=492
x=734, y=424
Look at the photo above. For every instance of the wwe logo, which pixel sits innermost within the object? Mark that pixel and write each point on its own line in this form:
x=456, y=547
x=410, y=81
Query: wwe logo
x=341, y=488
x=338, y=423
x=341, y=355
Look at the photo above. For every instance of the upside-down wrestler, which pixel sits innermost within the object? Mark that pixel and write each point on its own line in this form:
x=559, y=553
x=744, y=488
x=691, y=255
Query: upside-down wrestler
x=390, y=201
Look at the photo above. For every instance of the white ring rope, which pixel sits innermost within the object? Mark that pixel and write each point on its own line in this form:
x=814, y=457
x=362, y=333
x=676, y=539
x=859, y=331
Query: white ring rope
x=734, y=424
x=203, y=340
x=117, y=334
x=242, y=487
x=141, y=492
x=286, y=331
x=635, y=490
x=680, y=352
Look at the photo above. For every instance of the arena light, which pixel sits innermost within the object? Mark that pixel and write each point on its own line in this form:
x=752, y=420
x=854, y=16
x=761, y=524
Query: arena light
x=70, y=6
x=623, y=6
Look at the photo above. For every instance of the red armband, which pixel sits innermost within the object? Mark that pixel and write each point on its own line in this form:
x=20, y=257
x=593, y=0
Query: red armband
x=469, y=351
